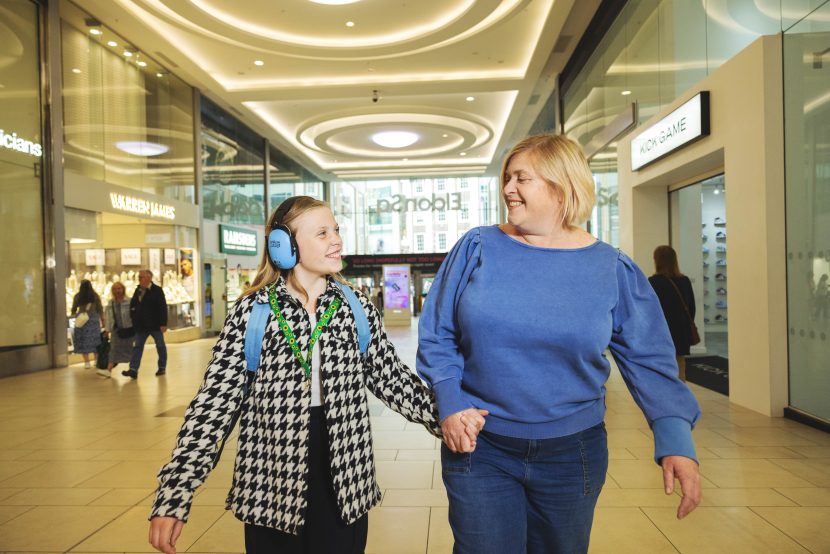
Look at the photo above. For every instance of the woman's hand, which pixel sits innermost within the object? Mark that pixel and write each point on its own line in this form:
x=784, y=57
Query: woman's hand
x=461, y=429
x=164, y=531
x=686, y=471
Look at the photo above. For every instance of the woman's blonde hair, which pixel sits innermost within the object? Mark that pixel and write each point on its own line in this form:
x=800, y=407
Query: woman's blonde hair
x=562, y=164
x=268, y=273
x=117, y=284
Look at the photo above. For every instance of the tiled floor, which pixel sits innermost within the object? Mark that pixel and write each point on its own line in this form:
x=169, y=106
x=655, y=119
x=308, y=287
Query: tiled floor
x=78, y=457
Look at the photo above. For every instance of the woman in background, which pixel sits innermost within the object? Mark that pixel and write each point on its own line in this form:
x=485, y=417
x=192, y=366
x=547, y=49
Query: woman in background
x=87, y=309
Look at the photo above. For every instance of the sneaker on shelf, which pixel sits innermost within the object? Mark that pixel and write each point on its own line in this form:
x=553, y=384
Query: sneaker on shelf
x=720, y=317
x=703, y=238
x=103, y=373
x=131, y=373
x=721, y=263
x=161, y=372
x=706, y=306
x=720, y=235
x=720, y=222
x=721, y=249
x=720, y=277
x=705, y=264
x=705, y=277
x=721, y=290
x=721, y=304
x=705, y=320
x=705, y=250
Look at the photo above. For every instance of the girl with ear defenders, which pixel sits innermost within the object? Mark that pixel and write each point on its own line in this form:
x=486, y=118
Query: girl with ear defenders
x=304, y=478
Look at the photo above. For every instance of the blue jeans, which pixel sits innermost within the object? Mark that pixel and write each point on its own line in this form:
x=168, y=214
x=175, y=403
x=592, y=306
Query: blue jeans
x=516, y=496
x=138, y=349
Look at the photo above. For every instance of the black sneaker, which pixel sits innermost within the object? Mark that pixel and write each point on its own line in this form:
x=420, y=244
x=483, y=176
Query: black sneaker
x=161, y=372
x=131, y=373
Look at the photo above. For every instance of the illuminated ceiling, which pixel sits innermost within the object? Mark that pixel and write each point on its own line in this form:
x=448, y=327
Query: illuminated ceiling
x=320, y=78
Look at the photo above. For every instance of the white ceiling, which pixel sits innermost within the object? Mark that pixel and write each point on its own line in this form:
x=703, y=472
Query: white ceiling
x=467, y=76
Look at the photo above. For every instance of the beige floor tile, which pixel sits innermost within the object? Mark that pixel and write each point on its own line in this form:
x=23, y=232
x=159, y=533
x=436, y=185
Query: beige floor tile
x=820, y=438
x=65, y=440
x=627, y=421
x=128, y=532
x=226, y=535
x=629, y=437
x=647, y=452
x=397, y=440
x=710, y=530
x=419, y=455
x=641, y=474
x=750, y=473
x=437, y=479
x=414, y=497
x=621, y=453
x=398, y=530
x=388, y=424
x=7, y=492
x=404, y=475
x=210, y=497
x=14, y=468
x=7, y=455
x=812, y=451
x=440, y=534
x=121, y=497
x=385, y=455
x=765, y=436
x=744, y=497
x=67, y=526
x=54, y=497
x=128, y=475
x=8, y=513
x=814, y=470
x=708, y=438
x=61, y=455
x=807, y=497
x=624, y=531
x=808, y=526
x=159, y=456
x=12, y=439
x=633, y=498
x=58, y=474
x=734, y=452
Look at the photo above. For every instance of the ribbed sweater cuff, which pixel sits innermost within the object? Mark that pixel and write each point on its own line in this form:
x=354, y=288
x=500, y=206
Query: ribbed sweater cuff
x=673, y=437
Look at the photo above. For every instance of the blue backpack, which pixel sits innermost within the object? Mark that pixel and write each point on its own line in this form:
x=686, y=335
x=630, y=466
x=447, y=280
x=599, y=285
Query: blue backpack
x=253, y=345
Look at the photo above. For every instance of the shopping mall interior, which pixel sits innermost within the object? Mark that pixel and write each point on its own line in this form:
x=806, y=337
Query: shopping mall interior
x=160, y=135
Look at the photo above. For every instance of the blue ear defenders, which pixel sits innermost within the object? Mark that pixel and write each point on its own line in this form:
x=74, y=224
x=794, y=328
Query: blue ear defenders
x=282, y=246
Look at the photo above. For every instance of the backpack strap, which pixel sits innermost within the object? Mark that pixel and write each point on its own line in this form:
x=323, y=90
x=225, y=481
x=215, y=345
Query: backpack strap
x=364, y=334
x=254, y=332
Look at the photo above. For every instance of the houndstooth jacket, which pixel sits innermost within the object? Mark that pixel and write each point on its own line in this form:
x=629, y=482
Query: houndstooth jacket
x=269, y=482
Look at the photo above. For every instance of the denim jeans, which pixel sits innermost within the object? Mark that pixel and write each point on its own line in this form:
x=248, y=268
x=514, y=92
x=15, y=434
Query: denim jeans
x=138, y=349
x=516, y=496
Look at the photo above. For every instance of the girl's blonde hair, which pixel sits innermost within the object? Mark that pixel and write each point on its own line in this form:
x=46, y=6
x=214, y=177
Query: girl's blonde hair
x=268, y=273
x=562, y=164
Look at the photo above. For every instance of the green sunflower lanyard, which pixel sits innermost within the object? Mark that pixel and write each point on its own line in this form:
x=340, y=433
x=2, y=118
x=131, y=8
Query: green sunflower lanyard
x=289, y=334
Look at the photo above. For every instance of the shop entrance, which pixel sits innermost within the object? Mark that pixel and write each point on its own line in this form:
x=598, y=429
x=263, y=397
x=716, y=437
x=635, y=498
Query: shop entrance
x=215, y=295
x=698, y=234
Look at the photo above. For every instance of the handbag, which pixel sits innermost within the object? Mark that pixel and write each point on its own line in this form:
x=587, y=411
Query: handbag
x=103, y=351
x=83, y=317
x=694, y=335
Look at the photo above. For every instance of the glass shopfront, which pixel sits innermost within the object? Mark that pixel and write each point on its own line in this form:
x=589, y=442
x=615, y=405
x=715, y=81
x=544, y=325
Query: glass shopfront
x=807, y=139
x=23, y=297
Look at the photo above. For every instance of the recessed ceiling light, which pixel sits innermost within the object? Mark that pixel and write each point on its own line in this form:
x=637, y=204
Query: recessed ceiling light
x=141, y=63
x=112, y=43
x=350, y=24
x=75, y=70
x=159, y=74
x=395, y=139
x=625, y=92
x=259, y=62
x=445, y=135
x=96, y=32
x=335, y=2
x=470, y=98
x=405, y=159
x=141, y=148
x=463, y=154
x=127, y=54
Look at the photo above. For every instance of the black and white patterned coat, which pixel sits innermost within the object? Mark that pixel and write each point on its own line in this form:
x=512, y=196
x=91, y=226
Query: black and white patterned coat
x=271, y=462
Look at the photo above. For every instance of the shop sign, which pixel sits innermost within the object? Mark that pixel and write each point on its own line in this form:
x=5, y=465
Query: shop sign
x=130, y=204
x=680, y=128
x=237, y=240
x=94, y=256
x=131, y=256
x=169, y=256
x=13, y=142
x=437, y=202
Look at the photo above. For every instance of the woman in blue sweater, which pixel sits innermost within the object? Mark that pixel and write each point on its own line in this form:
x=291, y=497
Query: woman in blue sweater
x=516, y=323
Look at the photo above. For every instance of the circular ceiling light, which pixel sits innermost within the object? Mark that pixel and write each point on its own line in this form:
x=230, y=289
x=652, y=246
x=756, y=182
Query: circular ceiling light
x=141, y=148
x=96, y=32
x=395, y=139
x=335, y=2
x=259, y=62
x=112, y=43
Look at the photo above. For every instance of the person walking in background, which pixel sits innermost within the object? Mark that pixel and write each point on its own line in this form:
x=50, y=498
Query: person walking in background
x=88, y=314
x=148, y=312
x=677, y=299
x=517, y=322
x=822, y=301
x=119, y=327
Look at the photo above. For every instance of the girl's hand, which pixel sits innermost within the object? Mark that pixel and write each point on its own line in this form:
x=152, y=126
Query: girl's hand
x=164, y=531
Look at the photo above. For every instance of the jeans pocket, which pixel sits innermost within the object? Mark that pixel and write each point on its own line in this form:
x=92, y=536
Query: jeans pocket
x=452, y=462
x=593, y=447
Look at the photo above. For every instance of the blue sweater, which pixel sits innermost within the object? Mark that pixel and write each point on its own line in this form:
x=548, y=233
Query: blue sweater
x=521, y=331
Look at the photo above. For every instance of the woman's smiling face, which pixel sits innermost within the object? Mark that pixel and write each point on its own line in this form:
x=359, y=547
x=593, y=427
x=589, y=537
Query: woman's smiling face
x=531, y=201
x=318, y=240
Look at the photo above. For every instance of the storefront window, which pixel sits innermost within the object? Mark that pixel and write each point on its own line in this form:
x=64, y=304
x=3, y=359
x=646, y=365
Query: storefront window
x=233, y=169
x=807, y=120
x=288, y=178
x=127, y=120
x=22, y=322
x=411, y=215
x=105, y=248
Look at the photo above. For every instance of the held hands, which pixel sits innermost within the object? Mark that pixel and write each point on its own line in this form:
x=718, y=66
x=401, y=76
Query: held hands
x=164, y=532
x=461, y=429
x=684, y=470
